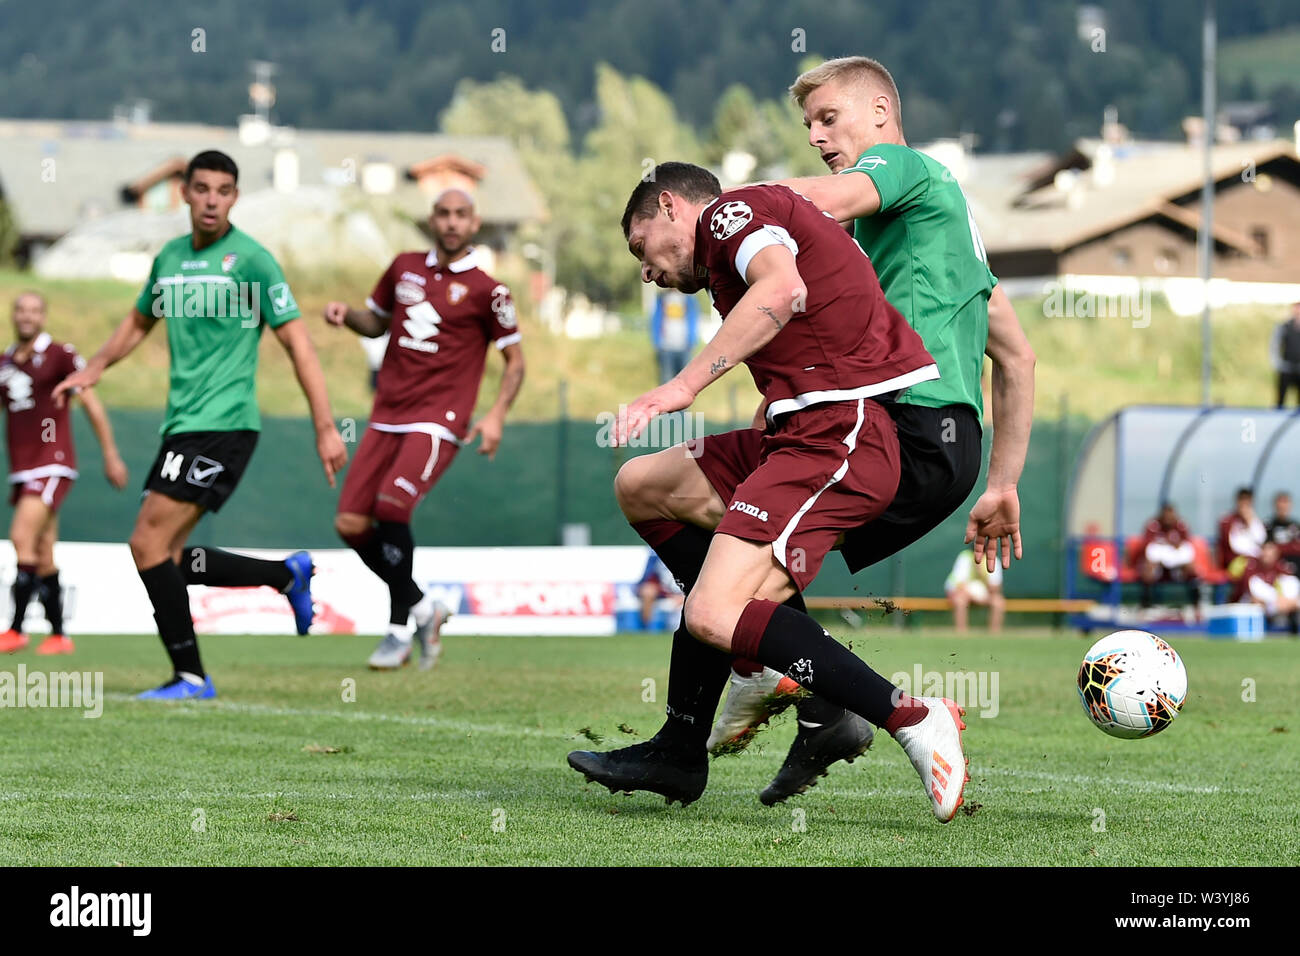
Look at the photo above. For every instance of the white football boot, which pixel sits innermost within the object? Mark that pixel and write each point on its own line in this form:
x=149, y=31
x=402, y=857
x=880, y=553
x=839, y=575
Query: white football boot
x=393, y=651
x=934, y=747
x=429, y=615
x=750, y=703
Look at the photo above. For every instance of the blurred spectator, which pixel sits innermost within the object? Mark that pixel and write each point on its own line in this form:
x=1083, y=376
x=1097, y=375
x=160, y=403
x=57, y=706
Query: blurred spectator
x=1284, y=350
x=675, y=331
x=1241, y=534
x=1167, y=555
x=1284, y=530
x=656, y=585
x=1271, y=583
x=970, y=582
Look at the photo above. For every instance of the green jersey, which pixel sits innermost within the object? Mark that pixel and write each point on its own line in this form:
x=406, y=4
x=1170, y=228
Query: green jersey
x=216, y=301
x=932, y=266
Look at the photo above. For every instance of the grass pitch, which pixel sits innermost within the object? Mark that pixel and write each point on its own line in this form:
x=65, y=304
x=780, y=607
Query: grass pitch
x=465, y=765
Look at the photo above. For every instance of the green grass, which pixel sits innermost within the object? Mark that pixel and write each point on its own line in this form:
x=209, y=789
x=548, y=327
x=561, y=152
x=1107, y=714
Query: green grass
x=426, y=761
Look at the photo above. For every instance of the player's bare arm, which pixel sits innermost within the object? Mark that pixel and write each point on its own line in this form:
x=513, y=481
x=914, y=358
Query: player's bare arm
x=129, y=333
x=490, y=427
x=114, y=466
x=364, y=322
x=766, y=307
x=846, y=196
x=329, y=444
x=994, y=522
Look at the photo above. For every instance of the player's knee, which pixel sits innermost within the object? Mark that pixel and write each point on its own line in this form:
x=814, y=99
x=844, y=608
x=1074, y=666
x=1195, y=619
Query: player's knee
x=147, y=547
x=390, y=510
x=350, y=526
x=707, y=621
x=633, y=492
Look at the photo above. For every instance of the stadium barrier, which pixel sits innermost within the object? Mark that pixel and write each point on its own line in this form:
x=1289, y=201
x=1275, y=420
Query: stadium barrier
x=546, y=476
x=526, y=591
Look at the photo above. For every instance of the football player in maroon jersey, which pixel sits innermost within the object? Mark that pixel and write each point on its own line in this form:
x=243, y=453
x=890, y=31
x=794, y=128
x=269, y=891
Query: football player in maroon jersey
x=42, y=464
x=441, y=311
x=803, y=309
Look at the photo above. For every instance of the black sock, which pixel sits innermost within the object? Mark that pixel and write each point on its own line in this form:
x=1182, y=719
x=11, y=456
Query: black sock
x=226, y=569
x=797, y=646
x=682, y=547
x=171, y=610
x=397, y=556
x=24, y=584
x=817, y=711
x=697, y=673
x=370, y=549
x=52, y=599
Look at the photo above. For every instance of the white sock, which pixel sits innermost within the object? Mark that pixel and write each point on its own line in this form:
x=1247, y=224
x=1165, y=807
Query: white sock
x=193, y=679
x=423, y=609
x=402, y=632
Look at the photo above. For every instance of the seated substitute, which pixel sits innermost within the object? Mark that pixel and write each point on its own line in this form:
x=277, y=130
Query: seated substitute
x=1167, y=555
x=1272, y=584
x=971, y=582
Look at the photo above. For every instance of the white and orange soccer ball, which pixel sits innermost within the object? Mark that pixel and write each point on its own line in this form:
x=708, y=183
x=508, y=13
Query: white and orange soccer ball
x=1132, y=684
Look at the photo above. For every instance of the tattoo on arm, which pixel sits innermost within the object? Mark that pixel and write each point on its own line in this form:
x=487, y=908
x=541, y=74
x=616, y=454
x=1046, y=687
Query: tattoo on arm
x=771, y=315
x=718, y=367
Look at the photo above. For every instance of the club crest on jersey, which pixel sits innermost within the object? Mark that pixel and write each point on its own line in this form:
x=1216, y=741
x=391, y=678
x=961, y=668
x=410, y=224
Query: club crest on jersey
x=730, y=218
x=228, y=261
x=457, y=291
x=408, y=293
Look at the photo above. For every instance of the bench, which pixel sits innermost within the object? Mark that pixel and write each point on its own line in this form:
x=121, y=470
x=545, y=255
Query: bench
x=1013, y=605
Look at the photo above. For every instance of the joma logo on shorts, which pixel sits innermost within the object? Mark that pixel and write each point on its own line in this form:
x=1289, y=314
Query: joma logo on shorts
x=751, y=510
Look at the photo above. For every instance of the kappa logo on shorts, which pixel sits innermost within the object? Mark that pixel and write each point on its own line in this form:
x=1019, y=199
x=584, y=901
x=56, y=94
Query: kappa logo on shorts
x=203, y=471
x=752, y=510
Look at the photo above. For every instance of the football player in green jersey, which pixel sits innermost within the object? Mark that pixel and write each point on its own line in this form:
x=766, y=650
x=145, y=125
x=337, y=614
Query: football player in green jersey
x=217, y=288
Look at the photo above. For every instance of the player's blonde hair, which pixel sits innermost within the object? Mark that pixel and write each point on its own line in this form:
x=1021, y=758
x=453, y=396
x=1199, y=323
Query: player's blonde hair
x=851, y=69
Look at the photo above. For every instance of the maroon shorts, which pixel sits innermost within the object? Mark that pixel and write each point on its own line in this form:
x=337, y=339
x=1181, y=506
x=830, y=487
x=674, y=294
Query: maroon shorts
x=392, y=472
x=824, y=471
x=51, y=490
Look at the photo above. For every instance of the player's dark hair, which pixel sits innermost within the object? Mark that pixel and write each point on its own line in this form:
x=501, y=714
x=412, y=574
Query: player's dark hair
x=691, y=182
x=212, y=159
x=1245, y=492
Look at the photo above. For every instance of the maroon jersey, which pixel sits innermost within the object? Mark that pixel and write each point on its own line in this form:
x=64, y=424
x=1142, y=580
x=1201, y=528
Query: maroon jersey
x=441, y=321
x=846, y=341
x=1174, y=536
x=40, y=435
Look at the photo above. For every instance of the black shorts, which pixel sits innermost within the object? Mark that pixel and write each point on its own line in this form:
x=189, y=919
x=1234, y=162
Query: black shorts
x=202, y=467
x=940, y=453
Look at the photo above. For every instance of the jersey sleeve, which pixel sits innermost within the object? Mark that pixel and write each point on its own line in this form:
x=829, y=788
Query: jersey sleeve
x=72, y=360
x=383, y=296
x=499, y=318
x=150, y=294
x=275, y=300
x=742, y=224
x=899, y=174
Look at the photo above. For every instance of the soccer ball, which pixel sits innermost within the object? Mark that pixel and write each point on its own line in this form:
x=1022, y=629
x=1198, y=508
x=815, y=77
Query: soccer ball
x=1132, y=684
